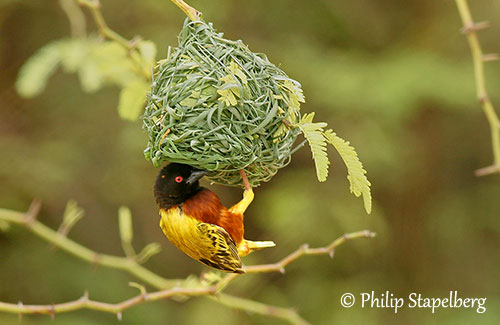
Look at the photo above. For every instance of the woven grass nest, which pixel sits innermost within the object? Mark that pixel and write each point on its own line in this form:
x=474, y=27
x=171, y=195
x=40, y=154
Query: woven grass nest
x=218, y=106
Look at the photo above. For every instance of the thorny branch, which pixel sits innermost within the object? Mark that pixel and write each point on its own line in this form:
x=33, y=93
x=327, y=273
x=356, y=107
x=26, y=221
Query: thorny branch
x=168, y=287
x=84, y=302
x=469, y=29
x=306, y=250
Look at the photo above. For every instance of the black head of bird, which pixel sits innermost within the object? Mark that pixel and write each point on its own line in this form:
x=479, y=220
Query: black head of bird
x=176, y=183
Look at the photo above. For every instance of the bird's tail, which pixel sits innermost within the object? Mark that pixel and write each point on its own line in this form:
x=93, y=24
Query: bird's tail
x=248, y=246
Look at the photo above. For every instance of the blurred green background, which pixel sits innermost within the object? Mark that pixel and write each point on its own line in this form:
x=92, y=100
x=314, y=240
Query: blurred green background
x=393, y=77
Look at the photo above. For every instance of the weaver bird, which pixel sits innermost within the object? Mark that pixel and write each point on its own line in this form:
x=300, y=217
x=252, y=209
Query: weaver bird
x=194, y=219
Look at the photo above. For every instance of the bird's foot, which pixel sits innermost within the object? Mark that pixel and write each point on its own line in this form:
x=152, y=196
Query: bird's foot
x=248, y=246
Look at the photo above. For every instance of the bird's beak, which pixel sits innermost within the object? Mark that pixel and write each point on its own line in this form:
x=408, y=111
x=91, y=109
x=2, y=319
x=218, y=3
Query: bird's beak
x=196, y=175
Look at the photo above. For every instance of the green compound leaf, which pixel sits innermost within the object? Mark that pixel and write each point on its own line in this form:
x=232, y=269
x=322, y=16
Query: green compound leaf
x=296, y=94
x=313, y=132
x=113, y=63
x=36, y=71
x=91, y=77
x=132, y=100
x=73, y=52
x=355, y=172
x=148, y=52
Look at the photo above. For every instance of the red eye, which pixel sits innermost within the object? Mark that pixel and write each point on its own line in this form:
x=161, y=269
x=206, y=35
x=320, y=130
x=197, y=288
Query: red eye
x=178, y=179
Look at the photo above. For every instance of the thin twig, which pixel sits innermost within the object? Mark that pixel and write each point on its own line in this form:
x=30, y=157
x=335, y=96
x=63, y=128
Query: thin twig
x=292, y=257
x=76, y=18
x=469, y=29
x=130, y=45
x=306, y=250
x=58, y=240
x=95, y=8
x=188, y=10
x=288, y=314
x=487, y=170
x=85, y=303
x=173, y=287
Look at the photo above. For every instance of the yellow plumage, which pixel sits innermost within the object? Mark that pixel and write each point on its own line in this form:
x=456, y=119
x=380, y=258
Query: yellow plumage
x=207, y=243
x=196, y=222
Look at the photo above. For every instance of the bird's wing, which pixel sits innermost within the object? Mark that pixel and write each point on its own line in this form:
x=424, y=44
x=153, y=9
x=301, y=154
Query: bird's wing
x=220, y=249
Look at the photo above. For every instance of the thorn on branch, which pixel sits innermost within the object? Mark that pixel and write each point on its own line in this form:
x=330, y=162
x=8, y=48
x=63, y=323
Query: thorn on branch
x=96, y=260
x=483, y=99
x=474, y=27
x=487, y=170
x=33, y=211
x=213, y=290
x=85, y=297
x=142, y=289
x=20, y=305
x=370, y=234
x=490, y=57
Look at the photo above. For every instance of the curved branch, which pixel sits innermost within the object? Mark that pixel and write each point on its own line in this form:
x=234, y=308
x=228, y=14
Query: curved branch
x=301, y=251
x=95, y=8
x=173, y=286
x=306, y=250
x=64, y=243
x=85, y=303
x=469, y=29
x=288, y=314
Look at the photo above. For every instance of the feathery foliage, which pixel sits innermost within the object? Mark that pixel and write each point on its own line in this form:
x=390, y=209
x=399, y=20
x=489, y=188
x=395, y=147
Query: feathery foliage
x=37, y=70
x=97, y=63
x=355, y=172
x=318, y=139
x=313, y=132
x=213, y=104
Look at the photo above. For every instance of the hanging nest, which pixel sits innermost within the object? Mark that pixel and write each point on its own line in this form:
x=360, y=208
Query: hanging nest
x=216, y=105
